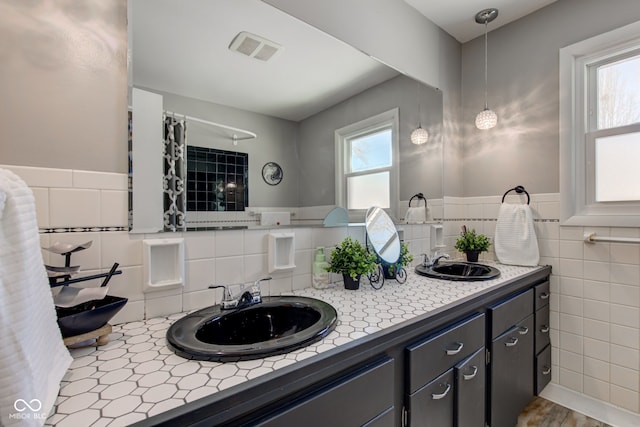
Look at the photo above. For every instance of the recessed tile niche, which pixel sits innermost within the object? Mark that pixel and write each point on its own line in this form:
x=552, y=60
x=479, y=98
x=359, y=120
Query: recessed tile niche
x=217, y=180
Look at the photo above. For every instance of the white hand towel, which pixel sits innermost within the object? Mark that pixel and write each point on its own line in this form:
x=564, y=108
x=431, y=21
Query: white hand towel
x=33, y=358
x=515, y=240
x=416, y=215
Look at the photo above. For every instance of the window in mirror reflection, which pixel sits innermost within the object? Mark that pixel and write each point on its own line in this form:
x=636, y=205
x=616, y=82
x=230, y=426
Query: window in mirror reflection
x=368, y=164
x=370, y=159
x=368, y=190
x=217, y=180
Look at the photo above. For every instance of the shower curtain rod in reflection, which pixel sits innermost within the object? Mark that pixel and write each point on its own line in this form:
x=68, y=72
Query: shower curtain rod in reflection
x=235, y=138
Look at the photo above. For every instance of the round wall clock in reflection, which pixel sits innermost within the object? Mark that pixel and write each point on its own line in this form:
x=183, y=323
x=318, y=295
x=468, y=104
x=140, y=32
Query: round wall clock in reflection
x=272, y=173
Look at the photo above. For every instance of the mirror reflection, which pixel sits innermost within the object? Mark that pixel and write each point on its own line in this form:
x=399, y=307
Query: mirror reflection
x=337, y=217
x=382, y=234
x=250, y=79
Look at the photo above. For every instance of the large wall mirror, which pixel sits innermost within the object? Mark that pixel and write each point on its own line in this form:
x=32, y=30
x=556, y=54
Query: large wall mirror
x=293, y=92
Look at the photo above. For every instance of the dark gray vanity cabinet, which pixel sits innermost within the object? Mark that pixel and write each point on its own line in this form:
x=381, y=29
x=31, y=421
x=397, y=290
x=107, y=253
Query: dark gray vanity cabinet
x=363, y=398
x=512, y=351
x=436, y=370
x=542, y=338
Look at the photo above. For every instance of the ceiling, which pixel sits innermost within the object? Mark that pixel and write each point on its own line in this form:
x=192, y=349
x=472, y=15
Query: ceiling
x=457, y=17
x=182, y=47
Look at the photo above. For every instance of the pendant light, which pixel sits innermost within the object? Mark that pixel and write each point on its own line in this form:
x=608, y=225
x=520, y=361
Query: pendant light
x=419, y=136
x=486, y=119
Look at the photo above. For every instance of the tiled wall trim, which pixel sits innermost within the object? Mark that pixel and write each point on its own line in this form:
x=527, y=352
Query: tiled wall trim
x=81, y=229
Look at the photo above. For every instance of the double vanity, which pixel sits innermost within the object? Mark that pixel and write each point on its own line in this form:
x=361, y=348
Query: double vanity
x=426, y=352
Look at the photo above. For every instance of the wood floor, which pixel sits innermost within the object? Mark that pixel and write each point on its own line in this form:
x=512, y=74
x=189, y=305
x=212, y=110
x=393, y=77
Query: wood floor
x=543, y=413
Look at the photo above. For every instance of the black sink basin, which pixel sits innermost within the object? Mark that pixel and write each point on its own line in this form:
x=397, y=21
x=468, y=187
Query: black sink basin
x=468, y=271
x=277, y=325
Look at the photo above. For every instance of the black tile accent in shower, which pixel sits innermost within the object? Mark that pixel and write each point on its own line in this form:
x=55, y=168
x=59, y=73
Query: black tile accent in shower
x=217, y=180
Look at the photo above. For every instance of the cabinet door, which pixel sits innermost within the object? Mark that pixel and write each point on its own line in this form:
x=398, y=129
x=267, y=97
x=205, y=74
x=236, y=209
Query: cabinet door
x=470, y=391
x=432, y=405
x=386, y=419
x=350, y=401
x=512, y=373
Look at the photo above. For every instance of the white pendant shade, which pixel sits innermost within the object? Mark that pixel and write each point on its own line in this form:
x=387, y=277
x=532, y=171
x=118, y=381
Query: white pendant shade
x=486, y=119
x=419, y=136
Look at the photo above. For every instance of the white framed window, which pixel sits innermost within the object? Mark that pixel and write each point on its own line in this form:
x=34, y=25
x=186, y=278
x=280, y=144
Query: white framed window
x=600, y=130
x=367, y=163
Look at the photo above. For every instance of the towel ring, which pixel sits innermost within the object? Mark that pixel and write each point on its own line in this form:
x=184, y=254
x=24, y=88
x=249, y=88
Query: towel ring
x=518, y=189
x=420, y=196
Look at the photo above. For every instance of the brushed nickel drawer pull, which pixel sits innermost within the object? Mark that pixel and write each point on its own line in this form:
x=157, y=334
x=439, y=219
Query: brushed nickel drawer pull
x=523, y=330
x=544, y=295
x=544, y=329
x=443, y=394
x=511, y=342
x=468, y=377
x=456, y=350
x=546, y=370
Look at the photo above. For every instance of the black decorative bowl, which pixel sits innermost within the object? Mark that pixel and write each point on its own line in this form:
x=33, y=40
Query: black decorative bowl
x=88, y=316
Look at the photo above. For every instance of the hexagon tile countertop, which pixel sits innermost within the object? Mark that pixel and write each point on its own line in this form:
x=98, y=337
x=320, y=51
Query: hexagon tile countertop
x=136, y=375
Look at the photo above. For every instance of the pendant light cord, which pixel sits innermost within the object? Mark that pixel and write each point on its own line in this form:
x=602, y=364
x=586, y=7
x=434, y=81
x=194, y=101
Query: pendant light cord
x=419, y=110
x=486, y=105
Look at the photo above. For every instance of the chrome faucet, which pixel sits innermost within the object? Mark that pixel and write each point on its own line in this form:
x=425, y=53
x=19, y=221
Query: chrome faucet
x=427, y=262
x=244, y=295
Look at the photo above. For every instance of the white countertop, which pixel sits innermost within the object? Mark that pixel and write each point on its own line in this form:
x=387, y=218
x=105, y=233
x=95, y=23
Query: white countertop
x=136, y=375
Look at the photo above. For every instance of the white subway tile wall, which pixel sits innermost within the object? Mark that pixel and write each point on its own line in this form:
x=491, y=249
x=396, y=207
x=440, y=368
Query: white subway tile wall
x=78, y=206
x=595, y=301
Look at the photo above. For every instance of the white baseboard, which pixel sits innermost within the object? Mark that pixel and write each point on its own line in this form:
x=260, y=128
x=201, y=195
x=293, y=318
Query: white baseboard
x=594, y=408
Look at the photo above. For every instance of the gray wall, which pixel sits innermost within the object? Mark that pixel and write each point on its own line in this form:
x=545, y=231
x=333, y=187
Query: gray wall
x=523, y=89
x=450, y=61
x=63, y=84
x=277, y=140
x=420, y=166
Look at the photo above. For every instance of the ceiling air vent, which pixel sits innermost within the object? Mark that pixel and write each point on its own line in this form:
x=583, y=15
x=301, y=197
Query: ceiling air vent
x=254, y=46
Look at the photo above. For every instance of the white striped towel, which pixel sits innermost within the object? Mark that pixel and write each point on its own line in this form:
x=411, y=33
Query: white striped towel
x=33, y=358
x=515, y=240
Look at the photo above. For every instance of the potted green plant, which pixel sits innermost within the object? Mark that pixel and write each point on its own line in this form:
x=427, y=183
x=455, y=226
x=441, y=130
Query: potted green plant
x=390, y=270
x=351, y=259
x=472, y=243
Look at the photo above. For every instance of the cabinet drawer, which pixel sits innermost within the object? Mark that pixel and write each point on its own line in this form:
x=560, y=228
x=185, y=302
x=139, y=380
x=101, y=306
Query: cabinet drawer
x=543, y=336
x=543, y=369
x=429, y=358
x=542, y=295
x=432, y=405
x=509, y=312
x=350, y=401
x=470, y=390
